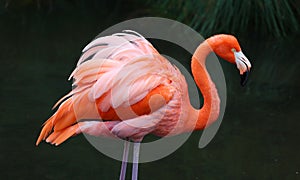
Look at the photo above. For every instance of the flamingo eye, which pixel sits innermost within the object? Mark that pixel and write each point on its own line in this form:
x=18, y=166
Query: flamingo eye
x=233, y=50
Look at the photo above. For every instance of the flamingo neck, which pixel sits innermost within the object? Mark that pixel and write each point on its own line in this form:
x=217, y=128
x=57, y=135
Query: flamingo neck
x=211, y=107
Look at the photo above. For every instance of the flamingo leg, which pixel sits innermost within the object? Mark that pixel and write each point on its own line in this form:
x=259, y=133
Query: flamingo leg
x=124, y=160
x=135, y=165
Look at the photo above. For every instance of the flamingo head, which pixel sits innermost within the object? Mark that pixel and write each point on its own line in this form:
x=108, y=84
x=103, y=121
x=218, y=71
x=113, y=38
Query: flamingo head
x=228, y=48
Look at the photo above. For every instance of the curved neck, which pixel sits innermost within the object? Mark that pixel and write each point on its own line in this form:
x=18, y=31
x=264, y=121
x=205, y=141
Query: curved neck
x=211, y=107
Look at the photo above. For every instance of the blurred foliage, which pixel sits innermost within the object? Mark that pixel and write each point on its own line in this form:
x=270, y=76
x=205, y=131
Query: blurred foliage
x=50, y=5
x=273, y=18
x=277, y=18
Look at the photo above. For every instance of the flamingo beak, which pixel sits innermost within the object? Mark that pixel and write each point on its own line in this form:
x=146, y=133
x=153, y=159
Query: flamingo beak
x=244, y=78
x=244, y=65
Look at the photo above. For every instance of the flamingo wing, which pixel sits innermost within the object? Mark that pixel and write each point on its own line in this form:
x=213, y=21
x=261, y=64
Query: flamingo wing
x=121, y=72
x=118, y=73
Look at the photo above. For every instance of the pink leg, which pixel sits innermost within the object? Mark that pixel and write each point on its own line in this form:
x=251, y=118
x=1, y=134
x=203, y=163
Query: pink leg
x=124, y=160
x=135, y=165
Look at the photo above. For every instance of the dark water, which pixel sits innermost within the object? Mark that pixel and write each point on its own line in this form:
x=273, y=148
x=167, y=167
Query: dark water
x=258, y=138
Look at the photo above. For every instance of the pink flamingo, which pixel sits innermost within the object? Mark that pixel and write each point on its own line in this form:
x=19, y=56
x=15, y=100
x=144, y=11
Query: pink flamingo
x=123, y=80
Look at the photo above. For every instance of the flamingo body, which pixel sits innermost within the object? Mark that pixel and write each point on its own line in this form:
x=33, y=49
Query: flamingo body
x=122, y=80
x=131, y=90
x=117, y=75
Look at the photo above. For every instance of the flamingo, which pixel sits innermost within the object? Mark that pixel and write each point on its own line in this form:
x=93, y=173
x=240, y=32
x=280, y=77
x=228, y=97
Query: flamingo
x=123, y=81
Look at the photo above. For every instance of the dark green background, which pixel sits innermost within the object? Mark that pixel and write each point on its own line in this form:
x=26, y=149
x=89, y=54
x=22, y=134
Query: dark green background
x=258, y=138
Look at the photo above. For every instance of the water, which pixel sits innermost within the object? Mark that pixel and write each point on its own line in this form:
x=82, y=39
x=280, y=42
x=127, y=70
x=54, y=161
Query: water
x=258, y=138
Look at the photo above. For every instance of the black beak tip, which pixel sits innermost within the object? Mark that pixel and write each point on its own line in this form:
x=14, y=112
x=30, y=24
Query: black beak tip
x=244, y=78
